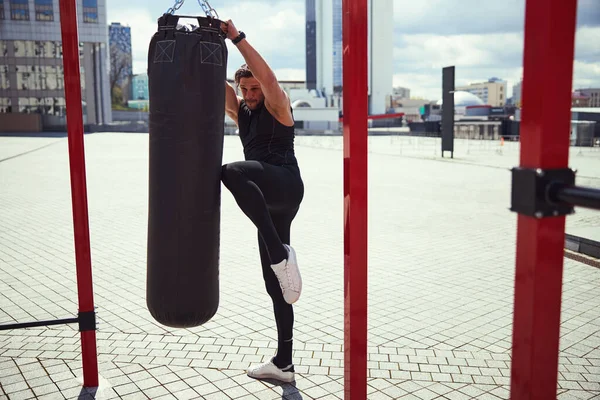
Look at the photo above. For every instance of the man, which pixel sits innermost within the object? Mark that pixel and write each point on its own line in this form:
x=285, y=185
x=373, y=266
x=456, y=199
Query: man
x=268, y=188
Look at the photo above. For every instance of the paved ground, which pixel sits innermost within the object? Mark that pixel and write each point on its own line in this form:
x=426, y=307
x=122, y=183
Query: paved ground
x=441, y=266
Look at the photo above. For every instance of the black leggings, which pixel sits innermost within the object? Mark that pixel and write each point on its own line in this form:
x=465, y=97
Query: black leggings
x=270, y=196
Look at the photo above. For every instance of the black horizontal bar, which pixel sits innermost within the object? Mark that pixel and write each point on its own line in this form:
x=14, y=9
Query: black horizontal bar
x=4, y=327
x=576, y=196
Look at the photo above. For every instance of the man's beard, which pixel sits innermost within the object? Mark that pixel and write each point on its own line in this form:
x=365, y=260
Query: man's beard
x=255, y=105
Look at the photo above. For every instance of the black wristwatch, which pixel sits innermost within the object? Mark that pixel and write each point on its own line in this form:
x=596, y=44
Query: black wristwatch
x=239, y=38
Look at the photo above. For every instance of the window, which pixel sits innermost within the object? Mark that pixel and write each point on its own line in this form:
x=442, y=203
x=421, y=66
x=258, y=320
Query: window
x=19, y=10
x=43, y=10
x=90, y=11
x=5, y=106
x=1, y=9
x=53, y=106
x=4, y=81
x=42, y=105
x=24, y=79
x=51, y=78
x=39, y=49
x=56, y=106
x=36, y=77
x=49, y=49
x=23, y=48
x=27, y=105
x=3, y=47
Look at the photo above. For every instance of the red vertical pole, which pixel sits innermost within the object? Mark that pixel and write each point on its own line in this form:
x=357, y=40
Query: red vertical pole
x=70, y=43
x=545, y=124
x=355, y=58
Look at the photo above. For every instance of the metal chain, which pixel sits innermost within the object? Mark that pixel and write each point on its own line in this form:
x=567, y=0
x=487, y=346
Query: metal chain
x=208, y=10
x=176, y=6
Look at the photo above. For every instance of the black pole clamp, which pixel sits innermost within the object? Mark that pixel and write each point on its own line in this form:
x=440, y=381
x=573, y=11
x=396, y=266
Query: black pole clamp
x=533, y=191
x=87, y=321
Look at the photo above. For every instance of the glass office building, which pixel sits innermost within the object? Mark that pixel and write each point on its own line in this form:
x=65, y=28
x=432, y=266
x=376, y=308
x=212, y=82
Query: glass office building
x=31, y=67
x=324, y=55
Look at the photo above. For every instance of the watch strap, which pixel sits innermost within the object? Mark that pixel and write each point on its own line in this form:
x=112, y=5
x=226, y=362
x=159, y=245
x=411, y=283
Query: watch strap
x=239, y=38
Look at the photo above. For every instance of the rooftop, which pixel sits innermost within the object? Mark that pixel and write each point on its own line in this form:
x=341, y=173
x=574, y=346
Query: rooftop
x=441, y=276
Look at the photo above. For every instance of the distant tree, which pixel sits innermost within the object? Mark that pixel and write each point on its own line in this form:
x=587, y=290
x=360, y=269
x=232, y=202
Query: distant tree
x=117, y=95
x=119, y=65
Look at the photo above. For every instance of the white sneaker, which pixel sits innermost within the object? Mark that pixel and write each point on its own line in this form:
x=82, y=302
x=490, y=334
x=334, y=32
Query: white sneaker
x=269, y=370
x=289, y=277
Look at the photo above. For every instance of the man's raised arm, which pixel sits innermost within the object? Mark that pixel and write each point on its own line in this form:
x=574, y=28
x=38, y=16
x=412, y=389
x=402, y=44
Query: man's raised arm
x=274, y=94
x=232, y=103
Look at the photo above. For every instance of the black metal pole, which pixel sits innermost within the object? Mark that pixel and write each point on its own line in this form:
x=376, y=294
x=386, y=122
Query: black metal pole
x=575, y=195
x=4, y=327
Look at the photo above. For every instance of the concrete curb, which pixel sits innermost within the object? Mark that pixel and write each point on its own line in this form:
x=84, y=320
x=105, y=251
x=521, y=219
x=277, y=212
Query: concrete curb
x=582, y=245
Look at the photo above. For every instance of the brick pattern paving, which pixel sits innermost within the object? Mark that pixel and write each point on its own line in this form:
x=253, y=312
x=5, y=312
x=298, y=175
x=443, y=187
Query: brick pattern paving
x=441, y=264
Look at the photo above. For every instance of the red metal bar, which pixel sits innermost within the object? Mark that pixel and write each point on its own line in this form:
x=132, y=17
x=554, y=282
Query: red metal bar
x=354, y=25
x=544, y=144
x=70, y=44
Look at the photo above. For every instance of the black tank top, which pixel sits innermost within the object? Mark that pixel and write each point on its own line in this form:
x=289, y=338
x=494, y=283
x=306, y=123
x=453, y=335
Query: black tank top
x=264, y=138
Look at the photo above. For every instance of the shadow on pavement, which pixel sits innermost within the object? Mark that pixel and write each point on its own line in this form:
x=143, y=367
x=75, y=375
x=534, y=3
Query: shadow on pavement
x=35, y=134
x=290, y=391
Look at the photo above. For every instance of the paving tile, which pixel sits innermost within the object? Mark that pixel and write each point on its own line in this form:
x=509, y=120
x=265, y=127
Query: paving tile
x=22, y=395
x=14, y=387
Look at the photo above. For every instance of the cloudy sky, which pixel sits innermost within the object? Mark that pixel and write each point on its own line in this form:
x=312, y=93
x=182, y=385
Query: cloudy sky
x=483, y=38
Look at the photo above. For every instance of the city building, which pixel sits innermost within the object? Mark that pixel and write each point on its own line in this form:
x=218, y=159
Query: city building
x=516, y=97
x=401, y=93
x=593, y=95
x=324, y=51
x=31, y=68
x=121, y=60
x=463, y=100
x=493, y=92
x=139, y=97
x=579, y=99
x=411, y=108
x=311, y=45
x=139, y=87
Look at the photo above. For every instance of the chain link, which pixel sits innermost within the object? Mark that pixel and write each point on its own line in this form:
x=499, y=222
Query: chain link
x=206, y=7
x=210, y=12
x=176, y=6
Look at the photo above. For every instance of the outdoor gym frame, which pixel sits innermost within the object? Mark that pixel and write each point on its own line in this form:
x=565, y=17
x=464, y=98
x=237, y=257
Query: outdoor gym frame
x=543, y=193
x=86, y=315
x=540, y=188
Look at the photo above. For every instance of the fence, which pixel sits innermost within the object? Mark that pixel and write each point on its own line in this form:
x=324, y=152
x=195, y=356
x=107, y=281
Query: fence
x=498, y=151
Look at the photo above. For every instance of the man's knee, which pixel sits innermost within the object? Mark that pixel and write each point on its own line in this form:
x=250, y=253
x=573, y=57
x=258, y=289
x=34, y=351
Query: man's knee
x=230, y=173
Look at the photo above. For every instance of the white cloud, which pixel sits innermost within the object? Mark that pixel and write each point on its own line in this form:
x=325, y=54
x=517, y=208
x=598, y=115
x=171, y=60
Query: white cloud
x=290, y=74
x=422, y=85
x=437, y=51
x=419, y=59
x=456, y=17
x=586, y=75
x=278, y=37
x=587, y=43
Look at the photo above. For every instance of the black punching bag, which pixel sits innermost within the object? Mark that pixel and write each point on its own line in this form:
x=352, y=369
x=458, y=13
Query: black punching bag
x=186, y=81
